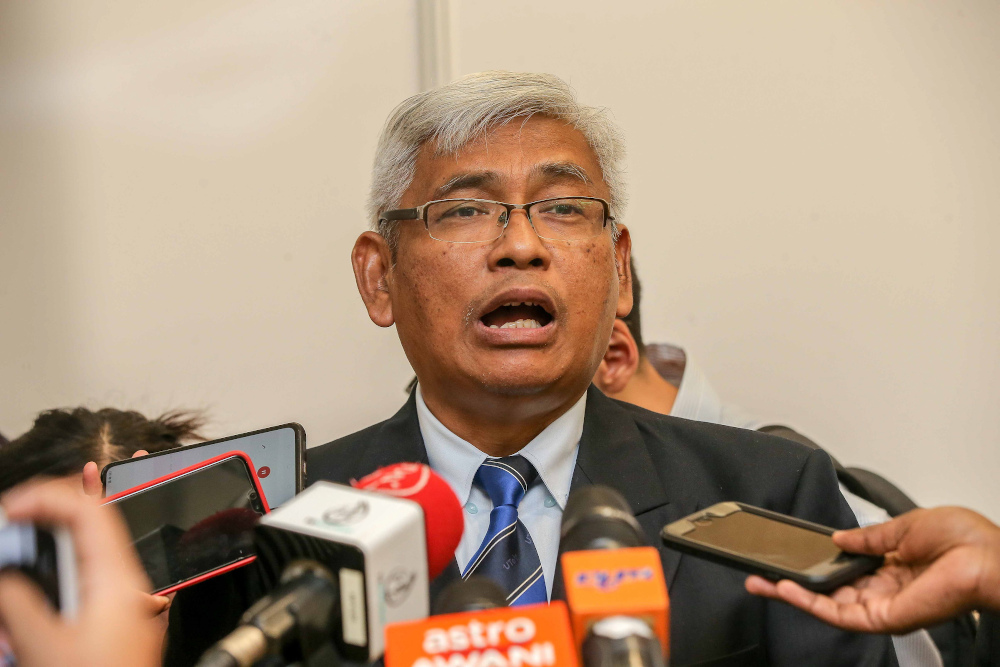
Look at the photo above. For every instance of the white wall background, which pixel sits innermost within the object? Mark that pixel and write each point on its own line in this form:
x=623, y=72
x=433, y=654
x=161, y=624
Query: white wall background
x=814, y=201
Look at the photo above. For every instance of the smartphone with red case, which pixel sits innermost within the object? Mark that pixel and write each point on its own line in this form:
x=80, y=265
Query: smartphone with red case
x=195, y=523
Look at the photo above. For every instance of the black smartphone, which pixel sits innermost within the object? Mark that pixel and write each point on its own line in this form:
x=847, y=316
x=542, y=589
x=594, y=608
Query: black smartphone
x=277, y=454
x=195, y=523
x=46, y=556
x=767, y=543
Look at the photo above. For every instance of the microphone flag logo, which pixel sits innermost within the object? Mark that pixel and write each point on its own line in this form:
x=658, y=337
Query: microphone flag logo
x=401, y=480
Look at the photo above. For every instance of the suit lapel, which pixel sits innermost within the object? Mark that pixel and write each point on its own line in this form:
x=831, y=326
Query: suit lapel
x=613, y=453
x=397, y=441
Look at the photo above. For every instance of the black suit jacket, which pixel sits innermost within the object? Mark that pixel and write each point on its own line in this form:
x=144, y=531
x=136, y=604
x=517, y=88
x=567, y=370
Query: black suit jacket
x=668, y=468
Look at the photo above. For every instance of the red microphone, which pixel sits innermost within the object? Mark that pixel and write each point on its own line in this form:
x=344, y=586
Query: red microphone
x=443, y=520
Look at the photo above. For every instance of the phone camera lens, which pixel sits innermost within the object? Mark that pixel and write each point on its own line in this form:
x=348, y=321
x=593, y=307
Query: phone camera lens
x=253, y=495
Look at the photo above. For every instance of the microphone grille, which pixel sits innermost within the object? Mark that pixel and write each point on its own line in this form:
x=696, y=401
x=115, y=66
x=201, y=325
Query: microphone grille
x=599, y=517
x=472, y=594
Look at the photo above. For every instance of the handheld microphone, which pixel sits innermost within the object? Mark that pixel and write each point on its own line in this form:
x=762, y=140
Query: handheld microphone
x=615, y=588
x=537, y=634
x=370, y=556
x=473, y=594
x=295, y=620
x=621, y=641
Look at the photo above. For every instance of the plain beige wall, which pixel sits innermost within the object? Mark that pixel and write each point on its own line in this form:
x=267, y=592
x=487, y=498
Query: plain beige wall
x=813, y=192
x=181, y=184
x=814, y=204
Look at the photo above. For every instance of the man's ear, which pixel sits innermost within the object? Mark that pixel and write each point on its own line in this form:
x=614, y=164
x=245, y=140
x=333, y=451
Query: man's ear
x=372, y=262
x=620, y=362
x=623, y=253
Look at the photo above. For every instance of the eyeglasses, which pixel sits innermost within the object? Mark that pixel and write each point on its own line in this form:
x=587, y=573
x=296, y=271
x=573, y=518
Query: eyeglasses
x=481, y=220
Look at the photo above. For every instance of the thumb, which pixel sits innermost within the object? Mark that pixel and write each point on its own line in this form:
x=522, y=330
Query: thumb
x=878, y=539
x=25, y=613
x=92, y=479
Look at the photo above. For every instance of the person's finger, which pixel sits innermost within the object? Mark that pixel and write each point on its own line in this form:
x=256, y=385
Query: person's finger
x=92, y=479
x=761, y=586
x=847, y=615
x=103, y=545
x=154, y=605
x=140, y=452
x=876, y=540
x=24, y=612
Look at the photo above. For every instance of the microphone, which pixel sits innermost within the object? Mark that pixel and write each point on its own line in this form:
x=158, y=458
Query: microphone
x=473, y=594
x=621, y=641
x=537, y=634
x=295, y=620
x=615, y=588
x=351, y=560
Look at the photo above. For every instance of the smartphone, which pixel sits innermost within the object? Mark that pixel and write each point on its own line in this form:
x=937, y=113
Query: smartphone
x=46, y=556
x=196, y=523
x=277, y=452
x=772, y=545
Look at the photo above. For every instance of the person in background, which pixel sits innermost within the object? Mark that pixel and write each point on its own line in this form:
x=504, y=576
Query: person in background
x=112, y=627
x=661, y=378
x=63, y=442
x=939, y=563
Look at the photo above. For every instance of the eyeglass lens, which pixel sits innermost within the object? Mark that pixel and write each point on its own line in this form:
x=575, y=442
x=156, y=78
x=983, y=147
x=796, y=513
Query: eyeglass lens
x=470, y=221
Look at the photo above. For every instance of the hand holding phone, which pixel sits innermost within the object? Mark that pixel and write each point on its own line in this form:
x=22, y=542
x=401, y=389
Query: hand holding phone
x=112, y=626
x=940, y=563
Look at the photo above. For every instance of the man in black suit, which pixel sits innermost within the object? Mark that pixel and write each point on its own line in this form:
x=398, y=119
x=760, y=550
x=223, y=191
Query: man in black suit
x=504, y=311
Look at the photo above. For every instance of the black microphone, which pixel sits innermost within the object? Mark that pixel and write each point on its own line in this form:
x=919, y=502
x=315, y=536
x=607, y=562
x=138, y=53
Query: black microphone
x=614, y=583
x=295, y=621
x=598, y=517
x=473, y=594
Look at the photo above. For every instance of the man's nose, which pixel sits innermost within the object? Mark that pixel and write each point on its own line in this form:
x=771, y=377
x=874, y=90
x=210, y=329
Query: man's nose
x=519, y=245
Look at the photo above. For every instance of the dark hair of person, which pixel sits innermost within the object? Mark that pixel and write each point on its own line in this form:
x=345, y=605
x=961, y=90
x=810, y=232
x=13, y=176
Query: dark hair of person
x=633, y=320
x=61, y=442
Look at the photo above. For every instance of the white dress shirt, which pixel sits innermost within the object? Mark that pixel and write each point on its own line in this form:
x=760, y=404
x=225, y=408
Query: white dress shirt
x=552, y=452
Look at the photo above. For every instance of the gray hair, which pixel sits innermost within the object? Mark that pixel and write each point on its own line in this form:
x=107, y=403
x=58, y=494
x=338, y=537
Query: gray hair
x=467, y=109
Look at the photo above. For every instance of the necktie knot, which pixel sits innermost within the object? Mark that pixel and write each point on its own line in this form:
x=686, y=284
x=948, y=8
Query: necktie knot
x=506, y=480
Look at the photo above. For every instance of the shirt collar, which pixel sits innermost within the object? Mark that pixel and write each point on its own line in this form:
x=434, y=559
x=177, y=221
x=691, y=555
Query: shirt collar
x=552, y=452
x=697, y=401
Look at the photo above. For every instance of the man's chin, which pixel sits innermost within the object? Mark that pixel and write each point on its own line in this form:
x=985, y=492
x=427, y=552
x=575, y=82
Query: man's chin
x=516, y=384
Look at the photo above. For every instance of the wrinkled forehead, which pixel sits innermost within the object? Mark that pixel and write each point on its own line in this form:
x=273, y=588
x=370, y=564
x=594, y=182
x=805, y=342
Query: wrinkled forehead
x=535, y=151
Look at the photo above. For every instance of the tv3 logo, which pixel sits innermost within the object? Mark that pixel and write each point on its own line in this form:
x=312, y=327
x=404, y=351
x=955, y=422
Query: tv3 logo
x=609, y=580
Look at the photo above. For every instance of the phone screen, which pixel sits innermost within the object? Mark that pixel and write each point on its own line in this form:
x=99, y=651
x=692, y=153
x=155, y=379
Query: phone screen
x=32, y=550
x=274, y=452
x=766, y=540
x=193, y=524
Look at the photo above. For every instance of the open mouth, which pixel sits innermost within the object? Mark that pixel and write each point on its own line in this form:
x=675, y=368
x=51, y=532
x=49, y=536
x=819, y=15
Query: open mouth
x=519, y=315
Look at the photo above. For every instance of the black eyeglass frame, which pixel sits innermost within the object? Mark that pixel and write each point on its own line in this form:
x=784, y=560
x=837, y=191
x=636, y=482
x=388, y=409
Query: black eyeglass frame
x=420, y=213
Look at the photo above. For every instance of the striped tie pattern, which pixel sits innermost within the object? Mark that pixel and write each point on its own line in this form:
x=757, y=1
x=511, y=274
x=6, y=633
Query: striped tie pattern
x=507, y=554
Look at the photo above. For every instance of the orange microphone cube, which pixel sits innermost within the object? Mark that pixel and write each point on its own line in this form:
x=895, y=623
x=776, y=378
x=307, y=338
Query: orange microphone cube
x=616, y=582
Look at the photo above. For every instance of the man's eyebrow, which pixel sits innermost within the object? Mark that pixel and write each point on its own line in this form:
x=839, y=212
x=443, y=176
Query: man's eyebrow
x=479, y=180
x=561, y=170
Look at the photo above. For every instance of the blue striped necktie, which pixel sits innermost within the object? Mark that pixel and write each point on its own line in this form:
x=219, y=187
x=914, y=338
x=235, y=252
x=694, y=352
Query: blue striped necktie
x=507, y=554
